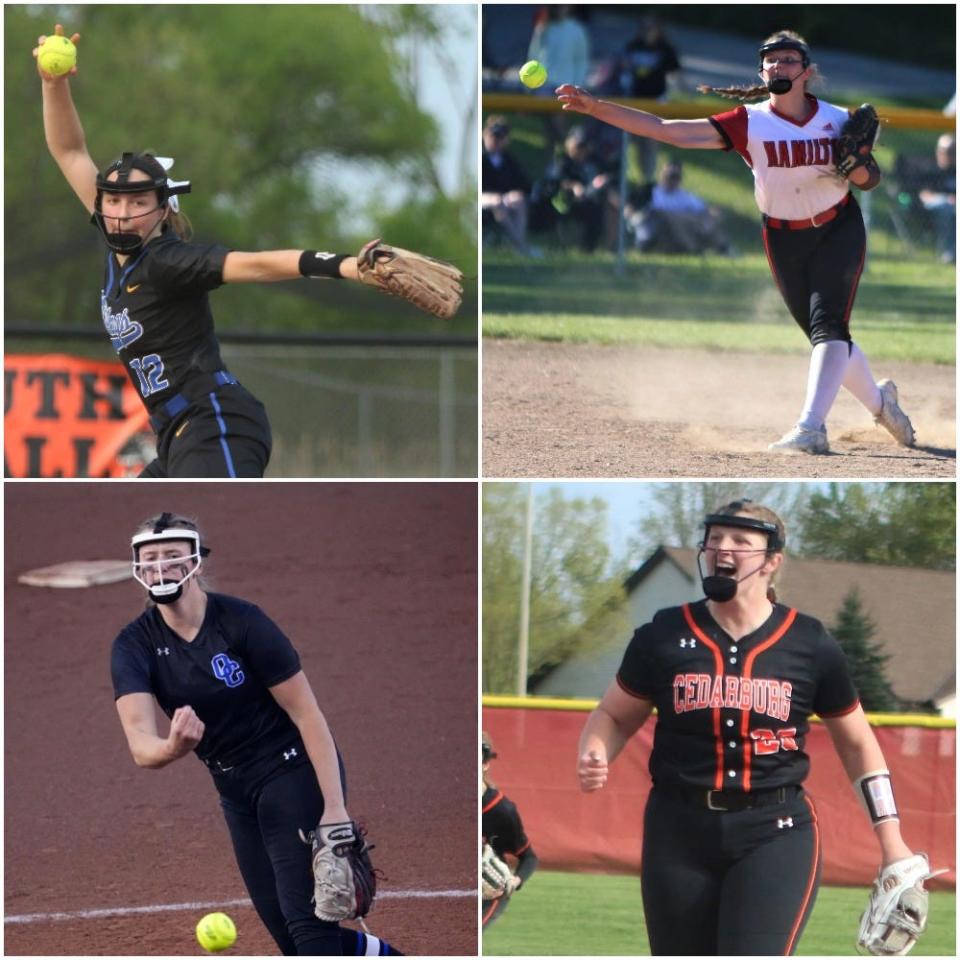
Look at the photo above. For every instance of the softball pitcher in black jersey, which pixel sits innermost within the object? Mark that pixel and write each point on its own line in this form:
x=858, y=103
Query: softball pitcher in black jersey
x=232, y=686
x=154, y=300
x=502, y=827
x=813, y=231
x=731, y=846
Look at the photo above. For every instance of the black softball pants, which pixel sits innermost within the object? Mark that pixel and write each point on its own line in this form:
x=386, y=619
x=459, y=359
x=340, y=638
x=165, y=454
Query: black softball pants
x=817, y=271
x=263, y=816
x=224, y=433
x=728, y=884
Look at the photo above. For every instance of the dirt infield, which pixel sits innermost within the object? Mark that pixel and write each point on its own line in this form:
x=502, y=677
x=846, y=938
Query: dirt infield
x=376, y=584
x=562, y=410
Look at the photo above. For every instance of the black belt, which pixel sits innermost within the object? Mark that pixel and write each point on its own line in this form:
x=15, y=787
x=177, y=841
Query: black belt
x=193, y=391
x=732, y=801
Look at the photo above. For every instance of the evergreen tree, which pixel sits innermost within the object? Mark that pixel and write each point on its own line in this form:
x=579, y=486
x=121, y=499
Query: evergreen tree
x=854, y=630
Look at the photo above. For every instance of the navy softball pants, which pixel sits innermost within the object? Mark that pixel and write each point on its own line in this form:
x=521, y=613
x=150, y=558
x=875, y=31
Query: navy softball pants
x=263, y=817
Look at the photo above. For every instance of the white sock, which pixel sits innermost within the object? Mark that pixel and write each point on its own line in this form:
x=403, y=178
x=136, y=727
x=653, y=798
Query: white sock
x=859, y=381
x=828, y=364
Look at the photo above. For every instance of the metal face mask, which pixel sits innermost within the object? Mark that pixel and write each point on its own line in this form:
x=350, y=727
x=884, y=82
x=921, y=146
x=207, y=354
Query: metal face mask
x=156, y=168
x=723, y=588
x=167, y=591
x=781, y=85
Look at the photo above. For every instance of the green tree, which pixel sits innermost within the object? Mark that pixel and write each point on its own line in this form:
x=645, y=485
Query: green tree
x=854, y=631
x=576, y=594
x=903, y=524
x=262, y=107
x=676, y=519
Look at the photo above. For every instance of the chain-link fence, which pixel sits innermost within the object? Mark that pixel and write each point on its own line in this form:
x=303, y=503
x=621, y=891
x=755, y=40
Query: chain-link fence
x=361, y=410
x=911, y=214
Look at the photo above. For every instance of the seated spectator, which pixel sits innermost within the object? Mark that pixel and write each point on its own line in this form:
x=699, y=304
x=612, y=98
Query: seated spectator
x=939, y=198
x=504, y=187
x=677, y=221
x=577, y=185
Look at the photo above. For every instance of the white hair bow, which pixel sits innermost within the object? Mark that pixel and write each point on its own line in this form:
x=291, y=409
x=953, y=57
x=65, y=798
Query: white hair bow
x=173, y=200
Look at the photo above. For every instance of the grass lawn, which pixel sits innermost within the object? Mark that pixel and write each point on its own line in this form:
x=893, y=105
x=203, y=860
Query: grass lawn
x=905, y=309
x=600, y=915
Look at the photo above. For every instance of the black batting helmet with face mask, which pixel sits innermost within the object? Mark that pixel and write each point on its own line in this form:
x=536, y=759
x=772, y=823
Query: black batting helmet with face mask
x=720, y=588
x=167, y=191
x=781, y=85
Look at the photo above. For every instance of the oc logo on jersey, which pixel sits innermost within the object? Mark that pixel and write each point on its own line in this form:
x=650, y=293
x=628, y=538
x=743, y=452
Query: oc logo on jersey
x=227, y=670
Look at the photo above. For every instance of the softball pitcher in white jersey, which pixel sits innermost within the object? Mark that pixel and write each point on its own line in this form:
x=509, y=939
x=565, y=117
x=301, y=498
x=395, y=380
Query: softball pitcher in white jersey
x=813, y=231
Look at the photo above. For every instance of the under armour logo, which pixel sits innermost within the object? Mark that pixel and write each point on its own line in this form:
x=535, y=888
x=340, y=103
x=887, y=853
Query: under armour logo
x=289, y=755
x=684, y=642
x=786, y=822
x=163, y=651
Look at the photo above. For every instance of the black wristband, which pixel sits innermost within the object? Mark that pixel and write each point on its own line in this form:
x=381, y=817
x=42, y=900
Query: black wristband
x=315, y=264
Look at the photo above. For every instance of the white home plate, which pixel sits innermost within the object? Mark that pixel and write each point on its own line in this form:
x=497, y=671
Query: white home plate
x=78, y=573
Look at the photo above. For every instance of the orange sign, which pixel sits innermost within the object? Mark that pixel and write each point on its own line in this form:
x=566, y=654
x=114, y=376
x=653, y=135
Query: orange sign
x=70, y=417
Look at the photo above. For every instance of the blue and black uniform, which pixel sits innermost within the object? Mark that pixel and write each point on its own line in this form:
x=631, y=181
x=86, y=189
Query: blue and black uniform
x=267, y=785
x=731, y=847
x=156, y=310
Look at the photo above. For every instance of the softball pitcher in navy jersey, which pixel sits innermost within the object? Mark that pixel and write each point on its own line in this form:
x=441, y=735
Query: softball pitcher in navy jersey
x=731, y=847
x=154, y=300
x=232, y=686
x=813, y=231
x=502, y=827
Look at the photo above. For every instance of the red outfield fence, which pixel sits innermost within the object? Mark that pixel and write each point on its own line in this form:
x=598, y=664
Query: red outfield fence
x=602, y=832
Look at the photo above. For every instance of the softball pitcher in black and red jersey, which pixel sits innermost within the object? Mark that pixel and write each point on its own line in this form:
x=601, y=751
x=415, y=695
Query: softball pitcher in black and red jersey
x=731, y=846
x=813, y=232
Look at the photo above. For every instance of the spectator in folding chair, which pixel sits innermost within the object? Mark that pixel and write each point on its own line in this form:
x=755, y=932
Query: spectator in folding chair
x=939, y=198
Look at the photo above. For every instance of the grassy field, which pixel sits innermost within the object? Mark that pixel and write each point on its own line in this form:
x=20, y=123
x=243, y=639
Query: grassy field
x=600, y=915
x=905, y=309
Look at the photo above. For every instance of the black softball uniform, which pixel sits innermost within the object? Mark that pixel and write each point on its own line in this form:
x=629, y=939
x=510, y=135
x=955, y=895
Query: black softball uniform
x=503, y=830
x=267, y=785
x=731, y=848
x=157, y=312
x=813, y=231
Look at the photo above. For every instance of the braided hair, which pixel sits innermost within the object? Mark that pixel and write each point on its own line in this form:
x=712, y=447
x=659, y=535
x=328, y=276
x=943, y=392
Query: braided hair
x=759, y=91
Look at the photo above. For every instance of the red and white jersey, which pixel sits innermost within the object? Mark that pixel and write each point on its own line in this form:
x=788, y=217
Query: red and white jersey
x=792, y=162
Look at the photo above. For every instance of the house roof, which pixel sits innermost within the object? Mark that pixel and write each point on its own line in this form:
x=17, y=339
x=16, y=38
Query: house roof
x=913, y=611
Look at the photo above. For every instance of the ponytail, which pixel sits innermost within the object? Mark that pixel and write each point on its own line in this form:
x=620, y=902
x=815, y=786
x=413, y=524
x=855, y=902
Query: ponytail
x=178, y=222
x=757, y=92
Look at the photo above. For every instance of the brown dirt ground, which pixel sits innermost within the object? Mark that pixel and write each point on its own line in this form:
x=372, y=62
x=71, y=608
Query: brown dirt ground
x=562, y=410
x=377, y=586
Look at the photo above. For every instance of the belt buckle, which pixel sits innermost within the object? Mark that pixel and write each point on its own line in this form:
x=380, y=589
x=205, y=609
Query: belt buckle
x=710, y=805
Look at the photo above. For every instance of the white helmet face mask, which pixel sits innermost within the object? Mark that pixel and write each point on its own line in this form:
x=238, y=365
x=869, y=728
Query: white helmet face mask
x=166, y=589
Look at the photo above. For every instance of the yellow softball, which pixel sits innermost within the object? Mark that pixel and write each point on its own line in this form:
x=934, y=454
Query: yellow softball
x=533, y=74
x=57, y=56
x=216, y=932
